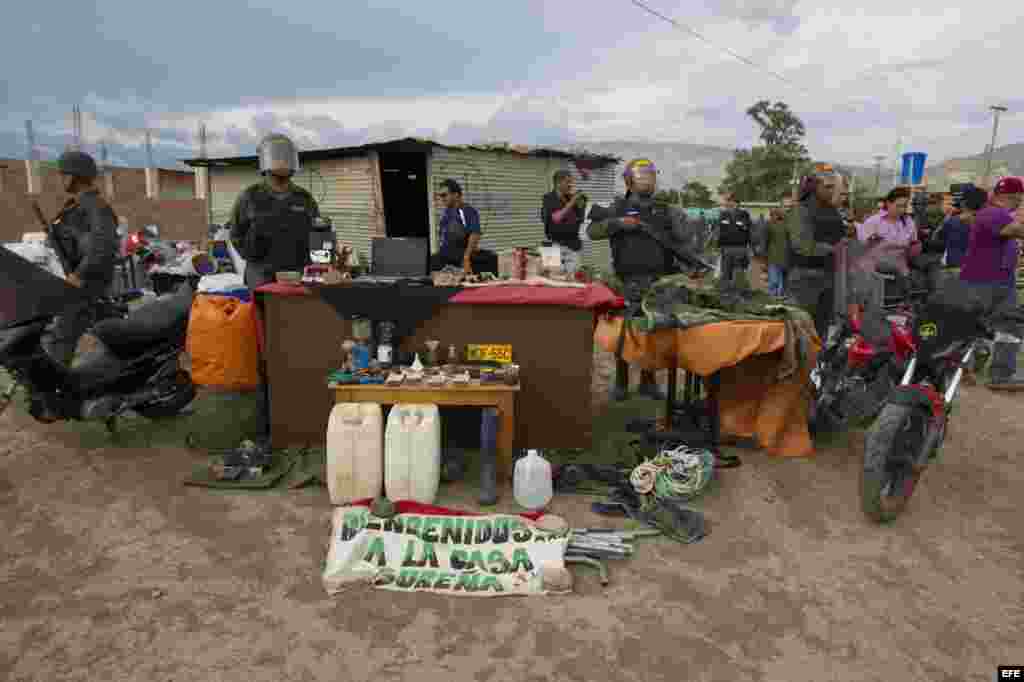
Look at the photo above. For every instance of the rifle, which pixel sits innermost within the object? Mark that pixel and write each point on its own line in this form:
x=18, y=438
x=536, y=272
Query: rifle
x=52, y=240
x=684, y=256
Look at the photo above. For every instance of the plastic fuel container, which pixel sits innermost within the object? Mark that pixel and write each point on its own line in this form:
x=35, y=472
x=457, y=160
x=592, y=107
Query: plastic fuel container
x=412, y=453
x=355, y=452
x=532, y=483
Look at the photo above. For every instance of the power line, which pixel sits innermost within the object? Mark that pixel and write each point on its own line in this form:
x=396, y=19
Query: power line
x=696, y=34
x=850, y=104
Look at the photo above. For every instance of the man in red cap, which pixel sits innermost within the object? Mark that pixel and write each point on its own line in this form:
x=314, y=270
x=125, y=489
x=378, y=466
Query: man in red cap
x=990, y=267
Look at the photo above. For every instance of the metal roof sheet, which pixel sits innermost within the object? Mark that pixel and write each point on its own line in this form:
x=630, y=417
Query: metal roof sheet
x=408, y=142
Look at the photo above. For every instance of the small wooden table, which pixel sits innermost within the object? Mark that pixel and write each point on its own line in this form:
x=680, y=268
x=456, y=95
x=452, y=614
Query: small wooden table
x=500, y=396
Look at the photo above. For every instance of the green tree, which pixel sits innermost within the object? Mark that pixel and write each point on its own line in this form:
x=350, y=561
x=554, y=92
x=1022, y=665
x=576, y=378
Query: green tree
x=697, y=195
x=780, y=127
x=764, y=173
x=670, y=196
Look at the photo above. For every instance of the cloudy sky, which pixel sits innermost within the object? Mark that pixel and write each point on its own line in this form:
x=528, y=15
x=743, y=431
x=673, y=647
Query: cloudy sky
x=861, y=74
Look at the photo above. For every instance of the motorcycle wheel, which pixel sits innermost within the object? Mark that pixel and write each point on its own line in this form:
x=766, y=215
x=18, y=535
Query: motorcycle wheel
x=173, y=402
x=886, y=487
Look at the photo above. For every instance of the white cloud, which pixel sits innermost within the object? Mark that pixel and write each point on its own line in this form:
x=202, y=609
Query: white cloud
x=867, y=74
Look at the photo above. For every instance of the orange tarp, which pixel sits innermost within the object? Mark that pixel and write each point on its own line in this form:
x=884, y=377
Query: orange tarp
x=753, y=402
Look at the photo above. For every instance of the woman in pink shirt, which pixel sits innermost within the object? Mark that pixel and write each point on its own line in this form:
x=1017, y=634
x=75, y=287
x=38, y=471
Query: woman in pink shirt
x=893, y=224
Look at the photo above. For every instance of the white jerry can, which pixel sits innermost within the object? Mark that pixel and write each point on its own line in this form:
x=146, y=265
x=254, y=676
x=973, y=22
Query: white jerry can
x=412, y=453
x=532, y=484
x=355, y=452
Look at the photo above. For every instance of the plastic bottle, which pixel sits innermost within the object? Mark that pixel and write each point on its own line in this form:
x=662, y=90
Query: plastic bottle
x=532, y=483
x=412, y=453
x=355, y=452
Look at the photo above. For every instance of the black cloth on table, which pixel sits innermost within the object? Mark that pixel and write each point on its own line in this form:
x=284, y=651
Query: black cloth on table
x=404, y=304
x=28, y=292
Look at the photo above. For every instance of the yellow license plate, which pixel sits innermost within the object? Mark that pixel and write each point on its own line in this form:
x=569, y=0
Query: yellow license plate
x=477, y=352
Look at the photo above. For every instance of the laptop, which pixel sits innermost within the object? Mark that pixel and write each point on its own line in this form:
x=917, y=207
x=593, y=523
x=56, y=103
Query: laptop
x=399, y=259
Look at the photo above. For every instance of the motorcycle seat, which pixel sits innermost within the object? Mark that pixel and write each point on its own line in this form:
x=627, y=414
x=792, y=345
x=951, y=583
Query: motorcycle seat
x=162, y=320
x=12, y=337
x=95, y=369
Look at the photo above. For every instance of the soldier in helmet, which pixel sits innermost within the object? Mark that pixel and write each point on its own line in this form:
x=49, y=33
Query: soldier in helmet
x=272, y=220
x=84, y=235
x=639, y=228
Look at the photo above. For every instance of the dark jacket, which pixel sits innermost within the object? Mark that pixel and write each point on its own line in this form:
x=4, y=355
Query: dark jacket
x=566, y=233
x=953, y=237
x=84, y=234
x=813, y=232
x=734, y=228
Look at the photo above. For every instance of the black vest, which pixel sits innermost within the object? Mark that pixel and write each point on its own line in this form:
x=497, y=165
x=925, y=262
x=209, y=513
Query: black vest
x=635, y=252
x=280, y=230
x=734, y=228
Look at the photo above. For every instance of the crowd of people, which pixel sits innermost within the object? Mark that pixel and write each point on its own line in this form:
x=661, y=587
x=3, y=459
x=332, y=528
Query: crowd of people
x=272, y=220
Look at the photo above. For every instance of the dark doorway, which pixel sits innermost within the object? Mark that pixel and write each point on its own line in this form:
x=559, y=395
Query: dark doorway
x=404, y=186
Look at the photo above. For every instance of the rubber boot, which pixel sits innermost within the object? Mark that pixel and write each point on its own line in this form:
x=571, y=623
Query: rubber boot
x=1003, y=371
x=453, y=464
x=619, y=390
x=489, y=456
x=649, y=386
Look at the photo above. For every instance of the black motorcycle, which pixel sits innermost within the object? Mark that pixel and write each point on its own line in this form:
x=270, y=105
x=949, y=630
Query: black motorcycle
x=137, y=367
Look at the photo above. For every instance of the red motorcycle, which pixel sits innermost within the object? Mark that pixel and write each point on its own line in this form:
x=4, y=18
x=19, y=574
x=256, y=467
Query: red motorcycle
x=868, y=344
x=914, y=420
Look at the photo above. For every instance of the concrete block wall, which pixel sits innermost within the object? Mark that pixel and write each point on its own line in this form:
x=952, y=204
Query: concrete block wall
x=178, y=218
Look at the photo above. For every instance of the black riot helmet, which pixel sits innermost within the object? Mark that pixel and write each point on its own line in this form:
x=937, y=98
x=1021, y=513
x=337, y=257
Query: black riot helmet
x=77, y=164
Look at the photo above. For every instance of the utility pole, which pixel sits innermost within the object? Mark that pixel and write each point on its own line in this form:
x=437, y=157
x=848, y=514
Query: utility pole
x=996, y=110
x=879, y=158
x=34, y=180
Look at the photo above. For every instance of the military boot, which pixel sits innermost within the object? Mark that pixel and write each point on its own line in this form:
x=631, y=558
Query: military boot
x=649, y=386
x=619, y=390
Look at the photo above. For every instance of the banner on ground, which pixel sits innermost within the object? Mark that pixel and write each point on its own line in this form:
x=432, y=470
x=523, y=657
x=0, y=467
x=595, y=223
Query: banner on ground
x=465, y=555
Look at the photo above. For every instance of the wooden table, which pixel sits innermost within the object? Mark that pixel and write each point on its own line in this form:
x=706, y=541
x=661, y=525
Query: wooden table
x=500, y=396
x=553, y=408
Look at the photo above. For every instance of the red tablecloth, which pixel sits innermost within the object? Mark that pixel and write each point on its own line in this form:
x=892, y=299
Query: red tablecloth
x=592, y=297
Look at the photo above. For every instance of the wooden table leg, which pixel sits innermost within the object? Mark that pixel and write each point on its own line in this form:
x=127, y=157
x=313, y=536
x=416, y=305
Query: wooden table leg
x=506, y=436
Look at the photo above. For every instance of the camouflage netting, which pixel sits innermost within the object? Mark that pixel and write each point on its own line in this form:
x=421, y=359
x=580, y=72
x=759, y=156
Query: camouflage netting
x=679, y=302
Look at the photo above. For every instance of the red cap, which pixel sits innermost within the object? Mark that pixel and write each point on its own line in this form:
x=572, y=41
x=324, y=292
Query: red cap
x=1009, y=186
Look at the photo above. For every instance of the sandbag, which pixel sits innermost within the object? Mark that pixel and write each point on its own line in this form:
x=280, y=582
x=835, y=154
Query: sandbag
x=222, y=343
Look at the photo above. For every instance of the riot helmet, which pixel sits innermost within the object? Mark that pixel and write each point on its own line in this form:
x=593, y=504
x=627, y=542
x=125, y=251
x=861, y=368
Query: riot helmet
x=77, y=164
x=278, y=155
x=641, y=176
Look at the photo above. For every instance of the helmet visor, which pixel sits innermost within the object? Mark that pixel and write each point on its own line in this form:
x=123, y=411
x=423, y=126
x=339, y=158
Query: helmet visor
x=278, y=155
x=644, y=176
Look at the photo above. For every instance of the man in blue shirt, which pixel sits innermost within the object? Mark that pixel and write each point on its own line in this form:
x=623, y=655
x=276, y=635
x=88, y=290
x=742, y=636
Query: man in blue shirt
x=459, y=230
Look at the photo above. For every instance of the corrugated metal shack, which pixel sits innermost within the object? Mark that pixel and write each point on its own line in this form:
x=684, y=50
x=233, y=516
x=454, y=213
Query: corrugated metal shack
x=389, y=189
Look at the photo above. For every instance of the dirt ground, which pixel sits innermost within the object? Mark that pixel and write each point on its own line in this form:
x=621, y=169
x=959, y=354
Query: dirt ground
x=112, y=570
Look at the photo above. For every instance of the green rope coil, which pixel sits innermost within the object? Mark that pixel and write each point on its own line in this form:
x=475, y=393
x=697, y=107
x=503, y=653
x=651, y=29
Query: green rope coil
x=680, y=473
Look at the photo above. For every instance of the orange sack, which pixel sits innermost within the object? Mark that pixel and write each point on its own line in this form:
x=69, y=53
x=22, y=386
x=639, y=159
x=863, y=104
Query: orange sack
x=222, y=343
